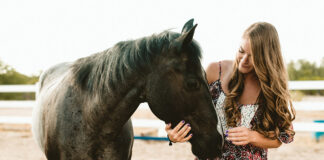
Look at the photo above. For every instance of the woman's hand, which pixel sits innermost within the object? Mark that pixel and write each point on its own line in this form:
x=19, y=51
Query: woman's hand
x=243, y=136
x=178, y=134
x=240, y=135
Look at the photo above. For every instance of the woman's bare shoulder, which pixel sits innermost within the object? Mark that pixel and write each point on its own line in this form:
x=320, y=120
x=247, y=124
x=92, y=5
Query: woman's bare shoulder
x=212, y=72
x=227, y=66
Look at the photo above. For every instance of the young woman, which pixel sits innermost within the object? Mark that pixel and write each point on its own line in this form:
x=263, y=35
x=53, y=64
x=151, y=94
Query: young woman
x=251, y=97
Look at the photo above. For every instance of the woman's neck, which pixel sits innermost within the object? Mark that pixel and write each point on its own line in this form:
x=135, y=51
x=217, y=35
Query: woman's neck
x=251, y=77
x=251, y=89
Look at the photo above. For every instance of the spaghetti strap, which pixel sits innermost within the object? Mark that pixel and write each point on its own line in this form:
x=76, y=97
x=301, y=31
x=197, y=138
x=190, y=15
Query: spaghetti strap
x=220, y=70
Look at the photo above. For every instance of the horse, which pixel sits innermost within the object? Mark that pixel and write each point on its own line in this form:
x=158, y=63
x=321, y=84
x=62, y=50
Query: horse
x=83, y=108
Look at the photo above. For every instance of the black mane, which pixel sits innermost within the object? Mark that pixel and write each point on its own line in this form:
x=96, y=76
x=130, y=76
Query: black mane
x=110, y=69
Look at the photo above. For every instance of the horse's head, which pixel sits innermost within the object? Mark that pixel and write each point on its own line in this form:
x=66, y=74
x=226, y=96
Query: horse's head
x=177, y=90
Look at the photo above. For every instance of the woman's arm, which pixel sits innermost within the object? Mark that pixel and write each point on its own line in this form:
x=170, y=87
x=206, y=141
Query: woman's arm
x=212, y=72
x=243, y=136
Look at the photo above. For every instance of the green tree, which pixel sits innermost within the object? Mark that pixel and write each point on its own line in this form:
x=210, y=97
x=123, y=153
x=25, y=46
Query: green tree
x=9, y=75
x=305, y=70
x=292, y=72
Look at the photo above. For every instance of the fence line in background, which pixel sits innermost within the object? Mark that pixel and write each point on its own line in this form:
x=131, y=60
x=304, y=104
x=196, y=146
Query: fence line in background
x=159, y=125
x=299, y=106
x=17, y=88
x=306, y=85
x=293, y=85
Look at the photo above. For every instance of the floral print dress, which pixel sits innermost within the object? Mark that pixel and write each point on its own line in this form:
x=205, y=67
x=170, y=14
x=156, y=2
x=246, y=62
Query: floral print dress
x=249, y=118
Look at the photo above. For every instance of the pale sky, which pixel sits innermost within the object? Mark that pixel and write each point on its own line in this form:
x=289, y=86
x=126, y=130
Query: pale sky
x=35, y=34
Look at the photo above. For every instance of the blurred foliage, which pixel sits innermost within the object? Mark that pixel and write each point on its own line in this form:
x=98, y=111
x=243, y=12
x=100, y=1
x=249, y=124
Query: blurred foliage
x=9, y=75
x=305, y=70
x=296, y=95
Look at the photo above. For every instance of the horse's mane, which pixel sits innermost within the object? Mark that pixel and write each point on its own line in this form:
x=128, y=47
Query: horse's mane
x=109, y=69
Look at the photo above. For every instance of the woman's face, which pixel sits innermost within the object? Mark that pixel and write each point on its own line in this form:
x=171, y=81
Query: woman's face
x=244, y=57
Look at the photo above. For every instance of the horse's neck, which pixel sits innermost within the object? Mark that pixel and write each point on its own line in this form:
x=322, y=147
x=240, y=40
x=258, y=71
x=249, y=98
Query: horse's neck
x=127, y=104
x=122, y=90
x=118, y=108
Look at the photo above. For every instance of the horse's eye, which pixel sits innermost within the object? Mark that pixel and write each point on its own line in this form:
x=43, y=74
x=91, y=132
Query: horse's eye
x=192, y=84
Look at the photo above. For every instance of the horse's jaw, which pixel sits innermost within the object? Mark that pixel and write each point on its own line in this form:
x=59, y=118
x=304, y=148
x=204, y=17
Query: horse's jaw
x=203, y=154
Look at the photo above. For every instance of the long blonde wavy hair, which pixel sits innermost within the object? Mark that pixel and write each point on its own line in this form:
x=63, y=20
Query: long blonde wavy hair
x=274, y=99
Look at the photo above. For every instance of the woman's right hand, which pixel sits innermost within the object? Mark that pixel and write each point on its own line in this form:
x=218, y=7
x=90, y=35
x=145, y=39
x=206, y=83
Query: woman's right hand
x=178, y=133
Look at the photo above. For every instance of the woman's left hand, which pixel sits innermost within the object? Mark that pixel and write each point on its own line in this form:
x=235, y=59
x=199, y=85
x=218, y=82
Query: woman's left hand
x=239, y=135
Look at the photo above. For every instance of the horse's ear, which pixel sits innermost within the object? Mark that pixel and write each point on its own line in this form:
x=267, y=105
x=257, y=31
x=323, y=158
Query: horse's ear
x=186, y=37
x=187, y=26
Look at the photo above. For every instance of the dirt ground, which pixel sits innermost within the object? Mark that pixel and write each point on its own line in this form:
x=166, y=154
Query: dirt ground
x=20, y=145
x=17, y=143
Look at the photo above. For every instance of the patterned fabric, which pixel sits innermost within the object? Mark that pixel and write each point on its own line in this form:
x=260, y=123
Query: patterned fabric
x=249, y=118
x=247, y=113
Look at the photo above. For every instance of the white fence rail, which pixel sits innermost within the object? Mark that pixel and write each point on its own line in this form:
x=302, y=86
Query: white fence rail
x=306, y=85
x=17, y=104
x=17, y=88
x=293, y=85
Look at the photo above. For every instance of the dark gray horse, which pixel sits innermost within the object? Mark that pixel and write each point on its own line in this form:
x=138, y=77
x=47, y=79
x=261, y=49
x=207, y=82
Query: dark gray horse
x=83, y=108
